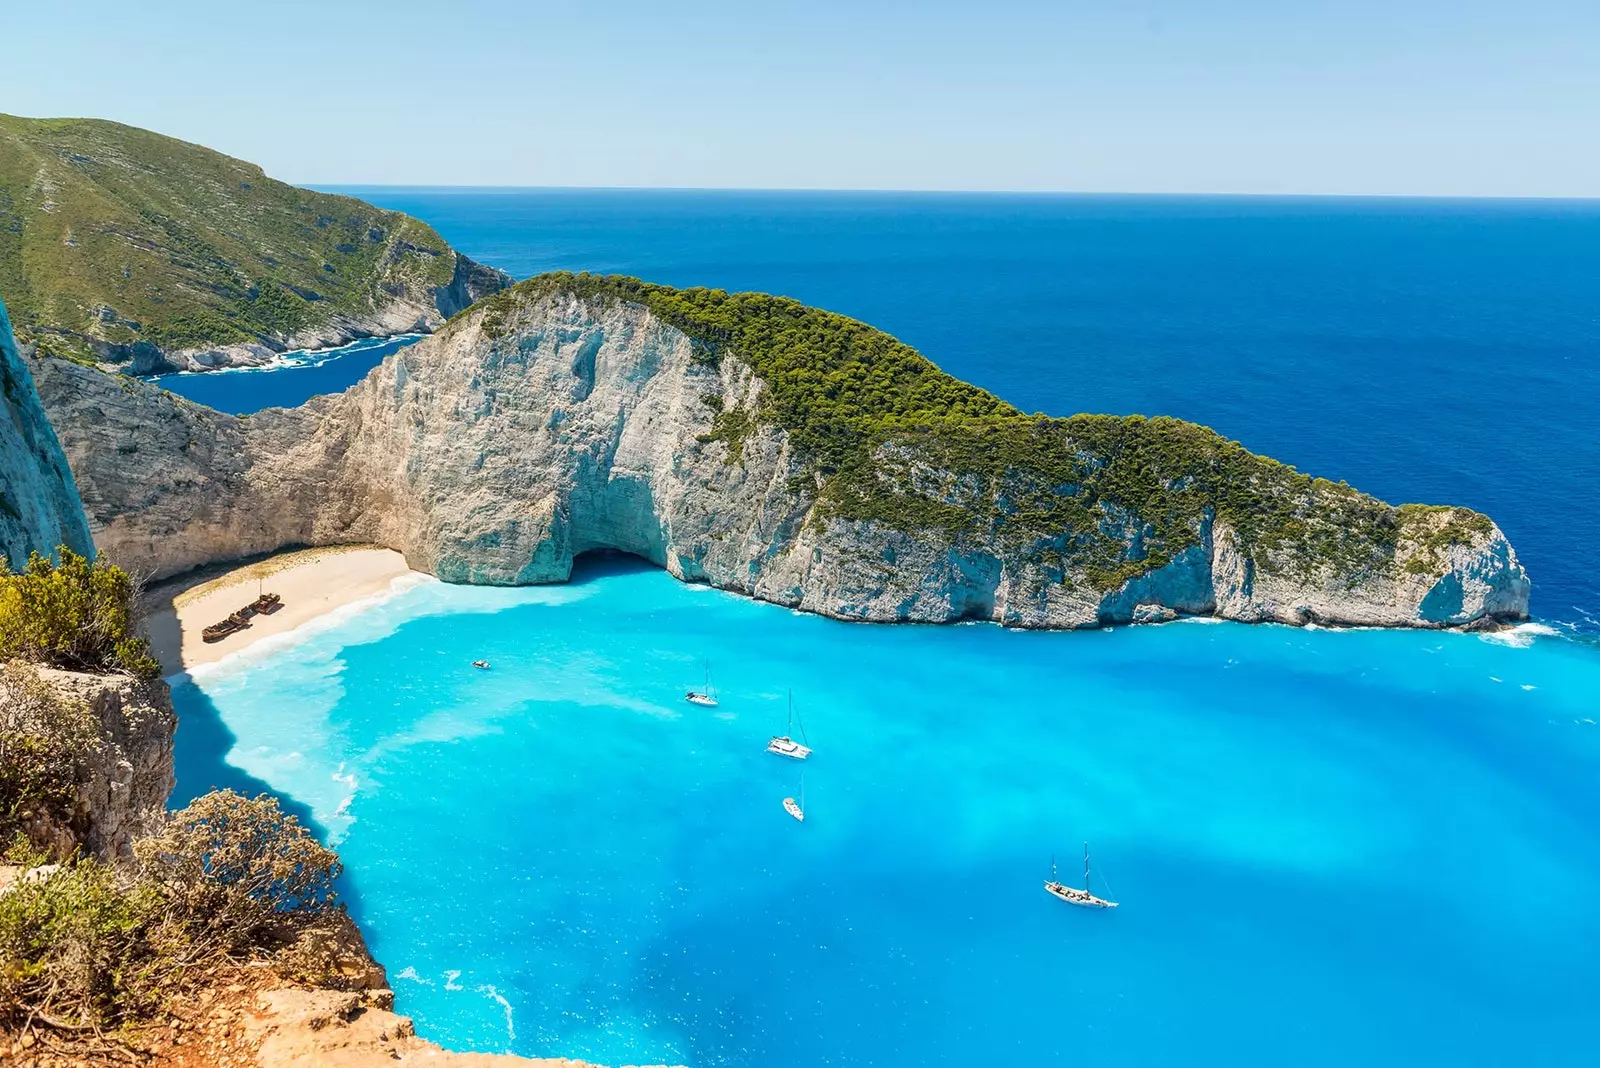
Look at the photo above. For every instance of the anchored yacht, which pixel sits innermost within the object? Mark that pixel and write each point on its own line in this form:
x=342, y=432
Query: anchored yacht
x=1071, y=894
x=706, y=698
x=784, y=744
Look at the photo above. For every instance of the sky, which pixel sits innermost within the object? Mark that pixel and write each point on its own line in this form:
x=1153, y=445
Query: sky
x=1462, y=98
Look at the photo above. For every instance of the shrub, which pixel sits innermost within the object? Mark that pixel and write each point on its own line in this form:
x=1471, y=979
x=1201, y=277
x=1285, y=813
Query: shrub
x=87, y=943
x=75, y=614
x=69, y=944
x=236, y=869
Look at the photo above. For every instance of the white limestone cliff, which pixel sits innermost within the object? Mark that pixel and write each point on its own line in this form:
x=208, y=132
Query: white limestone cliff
x=497, y=455
x=39, y=506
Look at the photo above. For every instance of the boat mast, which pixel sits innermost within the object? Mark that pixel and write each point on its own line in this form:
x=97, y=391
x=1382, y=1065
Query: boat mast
x=1086, y=867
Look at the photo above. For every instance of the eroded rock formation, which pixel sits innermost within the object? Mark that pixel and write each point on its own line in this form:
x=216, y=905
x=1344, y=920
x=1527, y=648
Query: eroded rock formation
x=554, y=423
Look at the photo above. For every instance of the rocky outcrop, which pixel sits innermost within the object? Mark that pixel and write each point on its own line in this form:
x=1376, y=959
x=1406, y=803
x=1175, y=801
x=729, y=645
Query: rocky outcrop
x=125, y=779
x=538, y=429
x=123, y=772
x=401, y=308
x=470, y=283
x=39, y=506
x=333, y=1029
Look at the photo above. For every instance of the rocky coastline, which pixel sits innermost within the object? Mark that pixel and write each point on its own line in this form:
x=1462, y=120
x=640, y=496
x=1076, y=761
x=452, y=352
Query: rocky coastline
x=405, y=312
x=554, y=424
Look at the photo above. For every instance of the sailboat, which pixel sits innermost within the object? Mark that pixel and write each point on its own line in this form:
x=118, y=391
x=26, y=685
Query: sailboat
x=784, y=744
x=706, y=698
x=1072, y=895
x=795, y=808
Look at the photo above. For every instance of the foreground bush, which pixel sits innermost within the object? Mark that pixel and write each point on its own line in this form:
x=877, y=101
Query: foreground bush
x=73, y=614
x=91, y=944
x=234, y=868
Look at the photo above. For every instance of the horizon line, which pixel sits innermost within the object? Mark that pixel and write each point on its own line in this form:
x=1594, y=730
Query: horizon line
x=887, y=190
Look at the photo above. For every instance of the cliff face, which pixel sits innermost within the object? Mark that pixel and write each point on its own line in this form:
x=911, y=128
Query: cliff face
x=39, y=506
x=127, y=248
x=551, y=423
x=125, y=777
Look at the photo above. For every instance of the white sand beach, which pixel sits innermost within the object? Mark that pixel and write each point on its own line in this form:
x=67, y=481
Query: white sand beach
x=311, y=582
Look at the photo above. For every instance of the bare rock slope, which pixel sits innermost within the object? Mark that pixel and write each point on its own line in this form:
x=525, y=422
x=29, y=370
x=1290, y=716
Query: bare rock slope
x=767, y=448
x=39, y=506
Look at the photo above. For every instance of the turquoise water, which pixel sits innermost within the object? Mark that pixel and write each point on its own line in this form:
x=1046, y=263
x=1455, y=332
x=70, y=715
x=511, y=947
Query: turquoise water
x=1331, y=848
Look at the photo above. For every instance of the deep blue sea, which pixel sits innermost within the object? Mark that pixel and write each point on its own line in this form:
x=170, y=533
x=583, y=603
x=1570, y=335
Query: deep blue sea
x=1445, y=351
x=1331, y=848
x=290, y=380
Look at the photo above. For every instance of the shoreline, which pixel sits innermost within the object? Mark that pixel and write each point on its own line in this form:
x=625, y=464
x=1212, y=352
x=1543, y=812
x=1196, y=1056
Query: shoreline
x=318, y=582
x=312, y=583
x=291, y=359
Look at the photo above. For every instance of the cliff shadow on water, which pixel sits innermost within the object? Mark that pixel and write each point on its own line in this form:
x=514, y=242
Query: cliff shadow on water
x=200, y=763
x=200, y=756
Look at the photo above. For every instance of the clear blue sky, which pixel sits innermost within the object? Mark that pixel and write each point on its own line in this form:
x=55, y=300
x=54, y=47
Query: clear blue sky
x=1274, y=96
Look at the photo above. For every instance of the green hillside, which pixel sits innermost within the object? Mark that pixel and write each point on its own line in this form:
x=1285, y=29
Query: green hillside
x=111, y=236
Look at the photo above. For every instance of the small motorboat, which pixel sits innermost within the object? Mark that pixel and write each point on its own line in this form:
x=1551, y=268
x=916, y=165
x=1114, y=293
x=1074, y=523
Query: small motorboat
x=480, y=663
x=1071, y=894
x=785, y=745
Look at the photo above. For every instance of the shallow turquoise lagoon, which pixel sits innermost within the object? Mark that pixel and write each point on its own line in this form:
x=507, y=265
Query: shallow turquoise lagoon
x=1330, y=847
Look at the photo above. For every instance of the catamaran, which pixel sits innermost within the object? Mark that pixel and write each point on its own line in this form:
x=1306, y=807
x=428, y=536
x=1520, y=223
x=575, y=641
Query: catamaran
x=795, y=808
x=784, y=744
x=706, y=698
x=1071, y=894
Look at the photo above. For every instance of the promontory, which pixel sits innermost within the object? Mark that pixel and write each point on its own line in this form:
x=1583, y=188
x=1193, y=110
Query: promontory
x=122, y=247
x=770, y=448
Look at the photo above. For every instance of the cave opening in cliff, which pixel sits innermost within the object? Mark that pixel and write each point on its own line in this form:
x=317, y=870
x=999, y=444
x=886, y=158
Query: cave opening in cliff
x=593, y=564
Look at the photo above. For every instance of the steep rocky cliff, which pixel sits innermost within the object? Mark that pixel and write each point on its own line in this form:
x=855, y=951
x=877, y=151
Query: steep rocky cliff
x=39, y=506
x=767, y=448
x=124, y=774
x=125, y=247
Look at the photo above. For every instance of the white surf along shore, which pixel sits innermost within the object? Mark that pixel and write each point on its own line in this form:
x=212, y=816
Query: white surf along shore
x=322, y=587
x=318, y=587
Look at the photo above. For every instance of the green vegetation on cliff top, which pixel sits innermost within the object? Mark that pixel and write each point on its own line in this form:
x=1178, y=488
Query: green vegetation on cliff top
x=892, y=439
x=76, y=614
x=116, y=235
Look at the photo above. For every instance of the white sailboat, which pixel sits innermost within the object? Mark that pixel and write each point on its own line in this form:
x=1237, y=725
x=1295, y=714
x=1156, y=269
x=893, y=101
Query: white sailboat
x=784, y=744
x=797, y=809
x=706, y=698
x=1071, y=894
